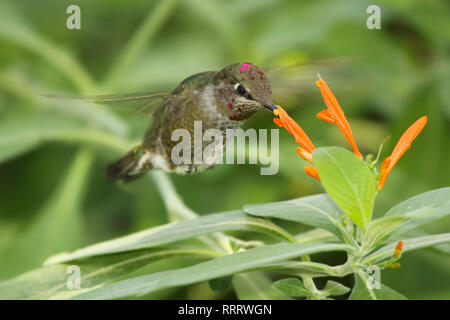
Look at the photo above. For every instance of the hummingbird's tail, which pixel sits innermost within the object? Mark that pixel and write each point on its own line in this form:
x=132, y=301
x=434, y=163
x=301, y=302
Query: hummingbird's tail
x=128, y=167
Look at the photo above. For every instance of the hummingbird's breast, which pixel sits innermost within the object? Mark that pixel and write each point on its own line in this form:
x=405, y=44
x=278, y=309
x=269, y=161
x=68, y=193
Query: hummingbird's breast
x=193, y=104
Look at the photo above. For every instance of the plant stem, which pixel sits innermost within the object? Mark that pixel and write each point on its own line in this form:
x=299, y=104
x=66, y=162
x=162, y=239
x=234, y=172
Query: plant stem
x=308, y=281
x=177, y=210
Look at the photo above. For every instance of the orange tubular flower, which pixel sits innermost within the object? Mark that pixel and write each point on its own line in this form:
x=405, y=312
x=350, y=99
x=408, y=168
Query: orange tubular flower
x=293, y=128
x=403, y=144
x=307, y=147
x=336, y=114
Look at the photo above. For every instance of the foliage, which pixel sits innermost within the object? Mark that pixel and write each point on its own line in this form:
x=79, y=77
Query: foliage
x=52, y=153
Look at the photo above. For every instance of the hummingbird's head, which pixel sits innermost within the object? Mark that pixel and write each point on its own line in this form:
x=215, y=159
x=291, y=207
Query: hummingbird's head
x=247, y=89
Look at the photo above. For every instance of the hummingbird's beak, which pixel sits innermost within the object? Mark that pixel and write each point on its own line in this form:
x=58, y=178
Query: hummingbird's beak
x=271, y=107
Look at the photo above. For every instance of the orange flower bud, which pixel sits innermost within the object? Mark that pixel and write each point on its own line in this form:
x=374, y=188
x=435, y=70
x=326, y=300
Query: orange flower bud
x=311, y=171
x=398, y=249
x=326, y=116
x=277, y=122
x=304, y=154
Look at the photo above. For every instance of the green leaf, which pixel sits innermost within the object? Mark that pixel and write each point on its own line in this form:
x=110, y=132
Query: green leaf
x=226, y=221
x=315, y=235
x=379, y=228
x=382, y=228
x=50, y=282
x=136, y=44
x=422, y=208
x=21, y=134
x=438, y=199
x=408, y=245
x=361, y=290
x=220, y=284
x=17, y=29
x=316, y=211
x=248, y=260
x=295, y=268
x=256, y=286
x=293, y=287
x=334, y=288
x=348, y=181
x=61, y=214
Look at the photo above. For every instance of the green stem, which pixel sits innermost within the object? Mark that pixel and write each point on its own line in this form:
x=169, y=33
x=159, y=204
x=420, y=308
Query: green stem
x=348, y=238
x=309, y=281
x=177, y=210
x=175, y=206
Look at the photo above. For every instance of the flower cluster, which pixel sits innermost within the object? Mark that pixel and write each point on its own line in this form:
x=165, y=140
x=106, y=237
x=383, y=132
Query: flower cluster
x=335, y=114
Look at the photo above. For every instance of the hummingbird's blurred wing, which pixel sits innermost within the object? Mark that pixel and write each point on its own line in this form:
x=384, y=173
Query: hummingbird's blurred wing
x=141, y=102
x=295, y=78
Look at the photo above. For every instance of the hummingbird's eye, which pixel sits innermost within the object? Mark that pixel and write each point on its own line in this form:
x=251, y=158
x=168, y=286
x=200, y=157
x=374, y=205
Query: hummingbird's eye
x=241, y=90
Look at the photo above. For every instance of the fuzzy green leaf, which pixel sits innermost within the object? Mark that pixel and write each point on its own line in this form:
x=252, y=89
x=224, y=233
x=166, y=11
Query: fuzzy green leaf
x=256, y=286
x=316, y=211
x=234, y=220
x=362, y=291
x=348, y=181
x=334, y=288
x=408, y=245
x=220, y=267
x=294, y=268
x=382, y=228
x=51, y=282
x=438, y=199
x=422, y=208
x=292, y=286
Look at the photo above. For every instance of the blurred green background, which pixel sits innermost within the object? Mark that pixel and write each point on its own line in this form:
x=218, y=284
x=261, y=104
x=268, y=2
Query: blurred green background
x=53, y=196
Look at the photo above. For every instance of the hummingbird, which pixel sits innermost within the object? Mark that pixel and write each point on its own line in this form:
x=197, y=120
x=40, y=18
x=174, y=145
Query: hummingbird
x=221, y=100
